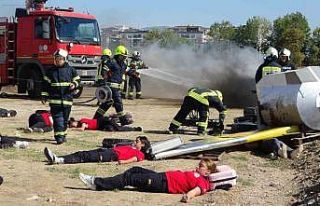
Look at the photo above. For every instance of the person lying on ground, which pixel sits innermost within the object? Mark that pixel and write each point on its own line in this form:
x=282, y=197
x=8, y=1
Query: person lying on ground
x=8, y=142
x=276, y=148
x=40, y=121
x=123, y=154
x=7, y=113
x=103, y=123
x=189, y=183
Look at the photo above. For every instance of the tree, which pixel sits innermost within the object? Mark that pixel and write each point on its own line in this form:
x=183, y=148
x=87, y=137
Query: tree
x=256, y=33
x=222, y=31
x=313, y=52
x=165, y=38
x=292, y=32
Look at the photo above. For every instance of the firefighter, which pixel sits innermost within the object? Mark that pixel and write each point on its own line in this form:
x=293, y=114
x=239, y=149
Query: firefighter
x=59, y=82
x=269, y=66
x=134, y=76
x=103, y=69
x=284, y=60
x=114, y=80
x=199, y=99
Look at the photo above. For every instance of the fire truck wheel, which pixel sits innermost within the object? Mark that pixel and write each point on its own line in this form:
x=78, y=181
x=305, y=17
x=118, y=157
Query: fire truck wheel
x=77, y=93
x=34, y=84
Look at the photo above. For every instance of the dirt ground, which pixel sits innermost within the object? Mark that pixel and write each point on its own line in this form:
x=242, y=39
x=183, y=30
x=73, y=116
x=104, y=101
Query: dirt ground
x=29, y=180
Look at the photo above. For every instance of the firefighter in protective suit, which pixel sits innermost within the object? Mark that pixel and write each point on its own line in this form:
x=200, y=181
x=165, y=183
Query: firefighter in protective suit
x=117, y=68
x=59, y=82
x=200, y=99
x=134, y=76
x=269, y=66
x=284, y=60
x=102, y=73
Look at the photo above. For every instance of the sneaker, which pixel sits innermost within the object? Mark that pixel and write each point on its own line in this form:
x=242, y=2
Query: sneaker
x=12, y=113
x=88, y=181
x=272, y=156
x=51, y=157
x=283, y=151
x=39, y=130
x=21, y=144
x=28, y=130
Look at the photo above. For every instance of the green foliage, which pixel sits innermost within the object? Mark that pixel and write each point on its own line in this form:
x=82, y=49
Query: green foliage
x=290, y=21
x=222, y=31
x=256, y=33
x=165, y=38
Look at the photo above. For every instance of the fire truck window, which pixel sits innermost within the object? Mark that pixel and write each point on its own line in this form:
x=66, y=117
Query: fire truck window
x=42, y=28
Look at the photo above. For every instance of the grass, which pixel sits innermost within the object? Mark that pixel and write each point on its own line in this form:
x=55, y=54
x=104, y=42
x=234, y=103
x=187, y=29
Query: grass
x=245, y=182
x=22, y=154
x=71, y=172
x=81, y=144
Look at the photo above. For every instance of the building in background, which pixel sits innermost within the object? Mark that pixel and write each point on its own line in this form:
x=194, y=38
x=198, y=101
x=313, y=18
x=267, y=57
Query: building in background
x=135, y=38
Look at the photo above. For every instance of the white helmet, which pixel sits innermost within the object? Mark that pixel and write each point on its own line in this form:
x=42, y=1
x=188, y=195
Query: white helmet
x=285, y=52
x=271, y=51
x=61, y=52
x=136, y=54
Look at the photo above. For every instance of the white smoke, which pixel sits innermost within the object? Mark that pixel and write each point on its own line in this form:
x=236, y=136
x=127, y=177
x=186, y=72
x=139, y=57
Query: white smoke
x=228, y=68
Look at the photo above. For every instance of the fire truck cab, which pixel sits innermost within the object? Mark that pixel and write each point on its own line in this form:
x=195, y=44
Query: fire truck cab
x=27, y=44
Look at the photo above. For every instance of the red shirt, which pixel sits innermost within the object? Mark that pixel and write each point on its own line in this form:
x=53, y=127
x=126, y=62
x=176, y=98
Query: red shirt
x=92, y=123
x=182, y=182
x=127, y=152
x=46, y=118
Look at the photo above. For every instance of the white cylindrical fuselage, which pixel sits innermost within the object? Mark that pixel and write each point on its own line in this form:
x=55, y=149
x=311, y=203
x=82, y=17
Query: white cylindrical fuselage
x=291, y=98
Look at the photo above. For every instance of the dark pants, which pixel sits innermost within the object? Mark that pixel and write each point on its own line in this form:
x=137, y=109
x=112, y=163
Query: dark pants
x=187, y=106
x=125, y=87
x=108, y=124
x=135, y=82
x=97, y=155
x=36, y=121
x=117, y=104
x=60, y=116
x=6, y=142
x=143, y=179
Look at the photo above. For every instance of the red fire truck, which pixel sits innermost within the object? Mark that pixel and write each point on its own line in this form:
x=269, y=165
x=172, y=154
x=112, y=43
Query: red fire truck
x=28, y=41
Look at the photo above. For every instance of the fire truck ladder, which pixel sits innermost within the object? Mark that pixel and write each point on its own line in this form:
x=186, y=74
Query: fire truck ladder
x=11, y=51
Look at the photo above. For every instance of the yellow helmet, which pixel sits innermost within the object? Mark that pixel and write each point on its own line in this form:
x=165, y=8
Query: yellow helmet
x=107, y=52
x=219, y=94
x=121, y=50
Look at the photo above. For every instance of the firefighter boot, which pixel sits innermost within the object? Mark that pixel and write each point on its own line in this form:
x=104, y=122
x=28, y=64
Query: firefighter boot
x=60, y=139
x=173, y=129
x=201, y=131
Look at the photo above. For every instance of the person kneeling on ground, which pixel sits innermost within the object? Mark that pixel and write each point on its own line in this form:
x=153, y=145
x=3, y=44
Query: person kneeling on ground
x=7, y=142
x=122, y=154
x=189, y=183
x=102, y=123
x=40, y=121
x=7, y=113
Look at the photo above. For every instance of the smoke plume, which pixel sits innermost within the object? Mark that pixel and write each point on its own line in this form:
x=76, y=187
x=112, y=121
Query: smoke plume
x=228, y=68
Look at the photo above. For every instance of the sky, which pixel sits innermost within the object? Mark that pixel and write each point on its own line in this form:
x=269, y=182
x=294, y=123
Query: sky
x=146, y=13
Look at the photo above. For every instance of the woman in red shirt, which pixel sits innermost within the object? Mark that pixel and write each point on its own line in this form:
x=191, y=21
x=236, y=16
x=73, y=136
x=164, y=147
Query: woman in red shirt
x=103, y=123
x=190, y=183
x=40, y=121
x=122, y=154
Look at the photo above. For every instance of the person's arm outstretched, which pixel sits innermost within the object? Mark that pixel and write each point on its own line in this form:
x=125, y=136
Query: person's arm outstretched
x=191, y=194
x=132, y=159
